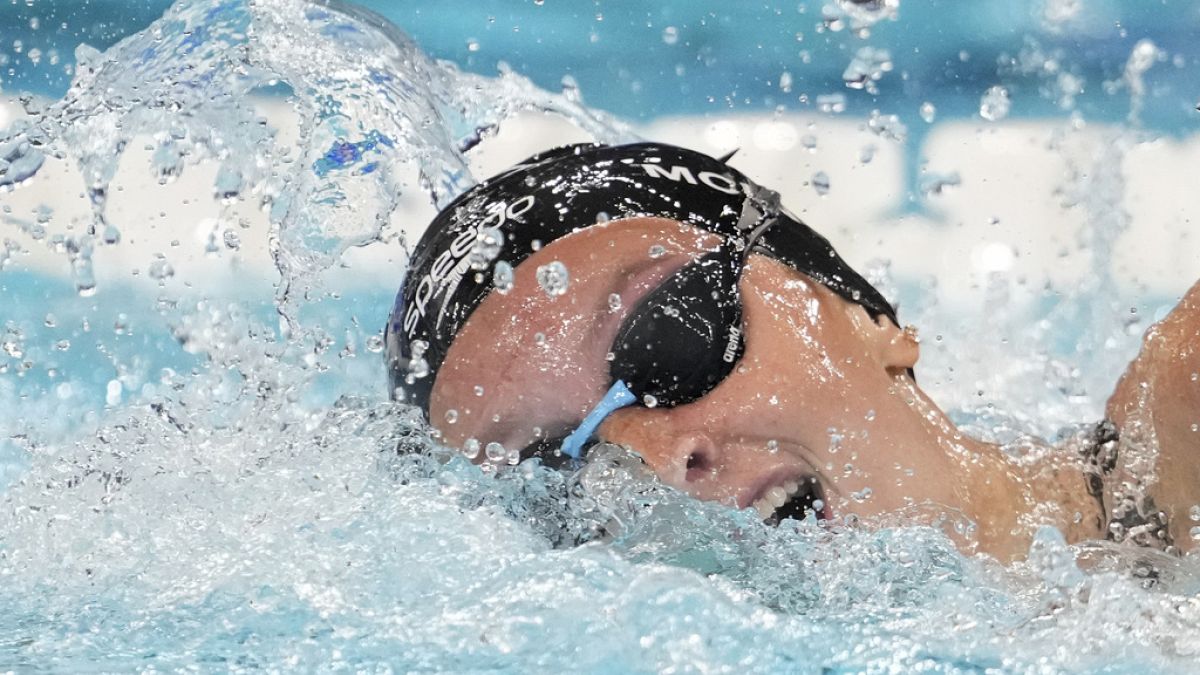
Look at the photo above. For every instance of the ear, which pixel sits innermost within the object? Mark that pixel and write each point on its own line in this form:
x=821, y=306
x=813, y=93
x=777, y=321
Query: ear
x=896, y=349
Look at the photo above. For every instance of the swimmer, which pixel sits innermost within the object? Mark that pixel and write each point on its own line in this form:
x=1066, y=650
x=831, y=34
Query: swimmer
x=655, y=298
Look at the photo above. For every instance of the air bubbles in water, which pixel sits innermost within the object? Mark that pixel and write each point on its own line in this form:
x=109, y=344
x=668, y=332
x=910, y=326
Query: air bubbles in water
x=670, y=35
x=553, y=278
x=995, y=104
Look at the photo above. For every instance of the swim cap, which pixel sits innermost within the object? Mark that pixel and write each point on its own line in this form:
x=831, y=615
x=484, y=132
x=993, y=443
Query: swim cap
x=476, y=241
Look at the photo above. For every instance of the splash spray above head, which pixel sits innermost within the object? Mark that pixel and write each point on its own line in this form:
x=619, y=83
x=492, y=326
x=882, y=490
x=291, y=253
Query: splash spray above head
x=684, y=337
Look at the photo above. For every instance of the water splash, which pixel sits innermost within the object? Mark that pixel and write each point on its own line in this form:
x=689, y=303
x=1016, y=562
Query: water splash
x=220, y=520
x=368, y=103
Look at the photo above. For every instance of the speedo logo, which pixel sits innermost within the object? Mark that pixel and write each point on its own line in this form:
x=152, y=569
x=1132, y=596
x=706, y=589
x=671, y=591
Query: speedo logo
x=682, y=174
x=449, y=267
x=731, y=347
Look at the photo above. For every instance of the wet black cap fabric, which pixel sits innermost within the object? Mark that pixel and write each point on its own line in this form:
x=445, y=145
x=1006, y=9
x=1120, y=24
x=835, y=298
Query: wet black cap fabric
x=477, y=240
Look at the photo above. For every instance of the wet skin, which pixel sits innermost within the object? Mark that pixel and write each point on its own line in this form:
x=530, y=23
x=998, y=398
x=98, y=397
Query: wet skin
x=822, y=391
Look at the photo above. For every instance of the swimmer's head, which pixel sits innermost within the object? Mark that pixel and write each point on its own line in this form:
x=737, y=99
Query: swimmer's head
x=645, y=295
x=473, y=246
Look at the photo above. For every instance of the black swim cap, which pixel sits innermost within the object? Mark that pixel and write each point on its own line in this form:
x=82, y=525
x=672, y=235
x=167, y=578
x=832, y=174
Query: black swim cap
x=502, y=221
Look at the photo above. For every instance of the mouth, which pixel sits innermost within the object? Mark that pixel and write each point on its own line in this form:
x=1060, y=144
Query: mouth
x=795, y=498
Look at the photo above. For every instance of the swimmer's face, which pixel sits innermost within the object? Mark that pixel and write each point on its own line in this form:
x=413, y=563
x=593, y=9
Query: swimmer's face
x=821, y=392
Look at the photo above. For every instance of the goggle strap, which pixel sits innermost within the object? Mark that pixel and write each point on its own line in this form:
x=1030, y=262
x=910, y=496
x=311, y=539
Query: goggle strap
x=618, y=397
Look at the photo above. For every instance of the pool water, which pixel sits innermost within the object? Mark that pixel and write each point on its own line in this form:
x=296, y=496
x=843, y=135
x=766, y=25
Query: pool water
x=203, y=235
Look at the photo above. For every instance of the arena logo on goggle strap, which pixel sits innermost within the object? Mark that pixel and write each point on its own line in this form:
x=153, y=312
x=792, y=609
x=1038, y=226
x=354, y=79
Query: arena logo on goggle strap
x=449, y=268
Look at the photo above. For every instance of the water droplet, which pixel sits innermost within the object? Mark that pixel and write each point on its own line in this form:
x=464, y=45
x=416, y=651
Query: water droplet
x=887, y=126
x=657, y=251
x=470, y=448
x=232, y=240
x=831, y=104
x=494, y=452
x=478, y=390
x=862, y=495
x=553, y=278
x=932, y=184
x=820, y=183
x=614, y=303
x=375, y=344
x=418, y=367
x=809, y=142
x=995, y=104
x=650, y=401
x=502, y=277
x=451, y=416
x=772, y=446
x=870, y=416
x=12, y=347
x=34, y=23
x=1194, y=513
x=867, y=153
x=62, y=345
x=866, y=68
x=928, y=112
x=160, y=269
x=488, y=243
x=670, y=35
x=513, y=457
x=785, y=82
x=602, y=217
x=472, y=45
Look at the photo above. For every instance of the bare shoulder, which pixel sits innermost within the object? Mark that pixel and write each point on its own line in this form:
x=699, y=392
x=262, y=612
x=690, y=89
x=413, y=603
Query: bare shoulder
x=1159, y=396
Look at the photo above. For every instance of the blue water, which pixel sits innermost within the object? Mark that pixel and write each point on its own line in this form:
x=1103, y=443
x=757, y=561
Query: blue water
x=203, y=477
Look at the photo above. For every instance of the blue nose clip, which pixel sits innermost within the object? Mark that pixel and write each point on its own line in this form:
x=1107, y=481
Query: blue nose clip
x=618, y=397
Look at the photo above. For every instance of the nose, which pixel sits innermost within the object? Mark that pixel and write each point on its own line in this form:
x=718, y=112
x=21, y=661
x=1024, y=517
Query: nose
x=681, y=458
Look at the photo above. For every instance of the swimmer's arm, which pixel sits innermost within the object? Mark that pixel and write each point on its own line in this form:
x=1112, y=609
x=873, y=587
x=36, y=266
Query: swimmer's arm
x=1164, y=380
